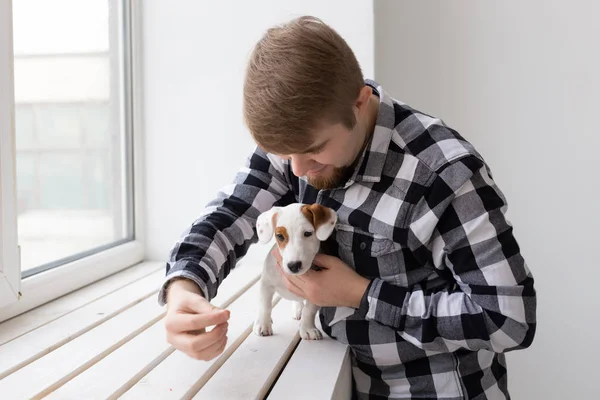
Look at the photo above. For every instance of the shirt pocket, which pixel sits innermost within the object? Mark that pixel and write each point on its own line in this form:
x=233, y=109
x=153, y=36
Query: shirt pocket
x=371, y=255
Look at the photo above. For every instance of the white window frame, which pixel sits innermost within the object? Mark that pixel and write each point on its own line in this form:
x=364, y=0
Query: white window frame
x=10, y=271
x=25, y=294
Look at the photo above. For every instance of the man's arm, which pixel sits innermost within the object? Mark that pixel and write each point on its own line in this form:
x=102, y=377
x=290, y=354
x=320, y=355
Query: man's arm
x=214, y=243
x=459, y=227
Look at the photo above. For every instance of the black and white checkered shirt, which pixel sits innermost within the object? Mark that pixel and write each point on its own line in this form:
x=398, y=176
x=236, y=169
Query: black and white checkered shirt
x=423, y=219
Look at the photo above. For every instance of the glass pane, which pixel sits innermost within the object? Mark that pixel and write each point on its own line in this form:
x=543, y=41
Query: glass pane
x=62, y=181
x=26, y=179
x=73, y=168
x=59, y=125
x=95, y=124
x=24, y=119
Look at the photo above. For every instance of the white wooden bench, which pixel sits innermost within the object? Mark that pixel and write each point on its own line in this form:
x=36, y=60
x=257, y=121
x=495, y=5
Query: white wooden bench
x=107, y=341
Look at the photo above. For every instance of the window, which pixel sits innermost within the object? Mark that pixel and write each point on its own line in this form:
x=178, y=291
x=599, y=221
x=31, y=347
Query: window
x=9, y=271
x=73, y=136
x=73, y=162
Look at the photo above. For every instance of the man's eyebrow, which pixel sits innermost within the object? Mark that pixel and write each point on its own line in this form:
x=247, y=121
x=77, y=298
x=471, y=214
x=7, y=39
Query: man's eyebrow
x=316, y=148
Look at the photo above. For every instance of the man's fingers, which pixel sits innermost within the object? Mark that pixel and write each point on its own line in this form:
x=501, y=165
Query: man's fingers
x=293, y=287
x=275, y=253
x=201, y=343
x=193, y=322
x=195, y=345
x=215, y=349
x=322, y=260
x=198, y=304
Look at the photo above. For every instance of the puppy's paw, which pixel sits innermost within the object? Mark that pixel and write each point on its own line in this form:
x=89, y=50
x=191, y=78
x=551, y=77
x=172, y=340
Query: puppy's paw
x=310, y=334
x=262, y=329
x=297, y=307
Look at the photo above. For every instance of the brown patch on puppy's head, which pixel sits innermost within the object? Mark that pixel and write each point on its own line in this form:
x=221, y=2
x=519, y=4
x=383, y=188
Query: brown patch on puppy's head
x=316, y=213
x=282, y=237
x=322, y=218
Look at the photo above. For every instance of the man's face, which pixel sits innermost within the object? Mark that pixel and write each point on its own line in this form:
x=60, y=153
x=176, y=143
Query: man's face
x=335, y=150
x=328, y=163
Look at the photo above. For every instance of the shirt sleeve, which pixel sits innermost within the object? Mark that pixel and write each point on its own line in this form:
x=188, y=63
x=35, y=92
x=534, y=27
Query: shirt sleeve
x=222, y=234
x=460, y=229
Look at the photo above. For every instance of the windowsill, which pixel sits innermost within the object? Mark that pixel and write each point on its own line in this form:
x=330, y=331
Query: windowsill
x=49, y=285
x=72, y=346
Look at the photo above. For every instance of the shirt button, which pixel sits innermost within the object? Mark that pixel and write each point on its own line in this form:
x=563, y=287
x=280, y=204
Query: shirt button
x=363, y=245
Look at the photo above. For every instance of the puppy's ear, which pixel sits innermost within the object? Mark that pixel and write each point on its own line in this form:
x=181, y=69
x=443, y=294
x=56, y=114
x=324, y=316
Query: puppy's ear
x=322, y=218
x=265, y=224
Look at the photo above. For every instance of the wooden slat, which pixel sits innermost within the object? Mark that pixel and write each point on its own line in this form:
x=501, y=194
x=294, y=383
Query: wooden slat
x=178, y=373
x=63, y=364
x=35, y=344
x=107, y=376
x=24, y=323
x=253, y=367
x=343, y=386
x=324, y=364
x=140, y=355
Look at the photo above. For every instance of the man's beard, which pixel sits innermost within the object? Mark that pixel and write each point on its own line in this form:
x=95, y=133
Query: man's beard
x=339, y=175
x=336, y=178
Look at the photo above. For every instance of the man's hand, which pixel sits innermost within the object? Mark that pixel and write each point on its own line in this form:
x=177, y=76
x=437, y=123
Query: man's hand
x=188, y=316
x=336, y=285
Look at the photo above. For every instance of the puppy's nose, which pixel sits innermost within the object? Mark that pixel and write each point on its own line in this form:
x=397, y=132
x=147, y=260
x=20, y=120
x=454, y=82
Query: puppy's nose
x=295, y=266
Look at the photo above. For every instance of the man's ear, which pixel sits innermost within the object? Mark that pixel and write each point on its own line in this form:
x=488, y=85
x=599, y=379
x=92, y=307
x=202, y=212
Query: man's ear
x=322, y=218
x=265, y=224
x=363, y=99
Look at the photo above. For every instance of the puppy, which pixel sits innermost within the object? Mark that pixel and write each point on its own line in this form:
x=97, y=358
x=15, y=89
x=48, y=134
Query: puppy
x=299, y=230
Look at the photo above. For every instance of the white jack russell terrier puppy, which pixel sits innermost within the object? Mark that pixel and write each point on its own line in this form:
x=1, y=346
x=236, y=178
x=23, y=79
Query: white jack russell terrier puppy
x=299, y=230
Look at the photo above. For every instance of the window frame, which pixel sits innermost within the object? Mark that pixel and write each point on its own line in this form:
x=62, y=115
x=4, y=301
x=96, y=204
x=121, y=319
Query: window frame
x=10, y=270
x=32, y=291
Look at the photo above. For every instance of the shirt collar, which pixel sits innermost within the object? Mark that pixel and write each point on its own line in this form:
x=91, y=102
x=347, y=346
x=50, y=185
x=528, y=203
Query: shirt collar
x=369, y=167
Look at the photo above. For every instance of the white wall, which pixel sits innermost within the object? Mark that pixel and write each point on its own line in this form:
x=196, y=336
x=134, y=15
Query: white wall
x=521, y=80
x=194, y=59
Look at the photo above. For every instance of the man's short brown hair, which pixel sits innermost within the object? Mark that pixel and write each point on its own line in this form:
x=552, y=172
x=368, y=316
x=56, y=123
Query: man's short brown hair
x=300, y=74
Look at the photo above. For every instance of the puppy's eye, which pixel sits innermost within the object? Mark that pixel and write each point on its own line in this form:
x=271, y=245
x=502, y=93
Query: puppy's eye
x=308, y=234
x=280, y=237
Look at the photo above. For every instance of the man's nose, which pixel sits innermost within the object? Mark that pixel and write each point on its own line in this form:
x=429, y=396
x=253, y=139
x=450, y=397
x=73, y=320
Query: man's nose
x=300, y=165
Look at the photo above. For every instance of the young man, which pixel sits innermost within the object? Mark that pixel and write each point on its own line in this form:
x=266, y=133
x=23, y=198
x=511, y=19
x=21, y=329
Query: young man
x=425, y=280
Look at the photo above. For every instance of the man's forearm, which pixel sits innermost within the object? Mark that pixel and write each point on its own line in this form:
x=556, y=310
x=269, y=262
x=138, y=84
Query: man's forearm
x=214, y=243
x=448, y=320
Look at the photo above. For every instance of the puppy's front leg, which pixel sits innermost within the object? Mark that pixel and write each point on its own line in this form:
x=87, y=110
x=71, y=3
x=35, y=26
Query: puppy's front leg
x=308, y=330
x=298, y=307
x=263, y=325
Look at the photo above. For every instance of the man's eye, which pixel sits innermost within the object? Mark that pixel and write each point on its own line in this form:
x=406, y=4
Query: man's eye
x=317, y=151
x=308, y=234
x=280, y=237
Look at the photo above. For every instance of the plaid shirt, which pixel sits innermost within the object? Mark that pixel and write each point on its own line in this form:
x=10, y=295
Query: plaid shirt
x=423, y=219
